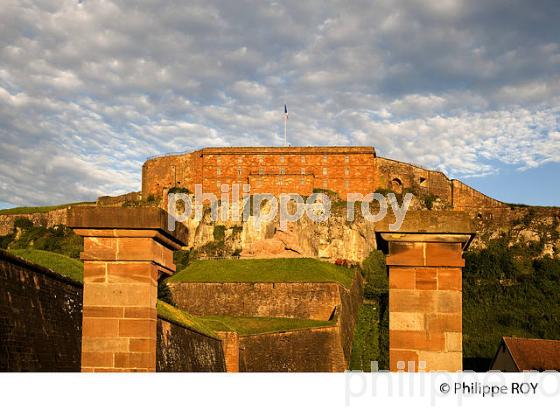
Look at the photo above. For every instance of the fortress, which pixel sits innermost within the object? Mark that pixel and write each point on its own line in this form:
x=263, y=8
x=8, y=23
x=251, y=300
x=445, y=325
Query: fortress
x=273, y=303
x=304, y=169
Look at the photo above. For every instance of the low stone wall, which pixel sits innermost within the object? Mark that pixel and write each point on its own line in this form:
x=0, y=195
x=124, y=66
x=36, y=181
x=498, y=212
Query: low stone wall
x=303, y=350
x=180, y=349
x=40, y=318
x=293, y=300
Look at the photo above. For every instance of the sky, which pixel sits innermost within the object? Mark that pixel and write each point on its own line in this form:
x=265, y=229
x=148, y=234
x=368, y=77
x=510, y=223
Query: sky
x=90, y=89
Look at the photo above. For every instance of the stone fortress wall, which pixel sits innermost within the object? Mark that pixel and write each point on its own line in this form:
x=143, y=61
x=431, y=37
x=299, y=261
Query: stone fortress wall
x=301, y=170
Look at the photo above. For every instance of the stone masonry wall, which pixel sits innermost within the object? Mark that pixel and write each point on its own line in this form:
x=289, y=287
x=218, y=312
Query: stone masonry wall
x=351, y=300
x=294, y=300
x=270, y=170
x=393, y=173
x=468, y=199
x=40, y=318
x=179, y=349
x=46, y=219
x=300, y=170
x=303, y=350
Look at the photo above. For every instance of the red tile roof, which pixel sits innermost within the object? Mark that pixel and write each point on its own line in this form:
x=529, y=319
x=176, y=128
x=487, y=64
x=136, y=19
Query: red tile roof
x=534, y=354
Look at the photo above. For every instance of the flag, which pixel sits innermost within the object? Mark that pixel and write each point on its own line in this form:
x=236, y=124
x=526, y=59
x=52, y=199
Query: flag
x=286, y=111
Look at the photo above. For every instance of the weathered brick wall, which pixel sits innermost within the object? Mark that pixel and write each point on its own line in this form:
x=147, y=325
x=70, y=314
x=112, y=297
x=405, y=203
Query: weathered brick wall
x=300, y=170
x=269, y=170
x=304, y=350
x=180, y=349
x=295, y=300
x=40, y=318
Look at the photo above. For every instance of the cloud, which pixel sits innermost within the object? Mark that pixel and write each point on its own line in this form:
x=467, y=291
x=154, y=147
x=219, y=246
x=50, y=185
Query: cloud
x=90, y=89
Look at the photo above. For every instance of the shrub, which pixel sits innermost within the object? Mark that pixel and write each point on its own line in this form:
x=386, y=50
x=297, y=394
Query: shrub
x=374, y=271
x=164, y=293
x=23, y=223
x=181, y=259
x=179, y=190
x=333, y=196
x=429, y=200
x=219, y=233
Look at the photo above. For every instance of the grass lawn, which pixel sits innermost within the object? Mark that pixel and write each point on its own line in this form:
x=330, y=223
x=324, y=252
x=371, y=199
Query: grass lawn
x=38, y=209
x=180, y=317
x=72, y=268
x=255, y=325
x=264, y=270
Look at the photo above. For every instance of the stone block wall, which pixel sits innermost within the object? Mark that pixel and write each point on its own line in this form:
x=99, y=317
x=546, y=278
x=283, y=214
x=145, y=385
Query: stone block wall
x=293, y=300
x=470, y=200
x=397, y=176
x=40, y=318
x=179, y=349
x=302, y=350
x=425, y=306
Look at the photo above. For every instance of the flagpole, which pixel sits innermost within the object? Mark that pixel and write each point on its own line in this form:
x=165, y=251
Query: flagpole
x=285, y=125
x=285, y=130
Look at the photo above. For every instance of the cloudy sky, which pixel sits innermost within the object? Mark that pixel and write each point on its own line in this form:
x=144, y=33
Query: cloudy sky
x=90, y=89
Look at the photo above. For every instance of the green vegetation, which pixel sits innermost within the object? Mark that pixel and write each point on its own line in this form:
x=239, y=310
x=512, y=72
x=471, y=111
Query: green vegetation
x=365, y=348
x=209, y=325
x=58, y=239
x=61, y=264
x=219, y=233
x=374, y=272
x=181, y=259
x=507, y=292
x=429, y=200
x=371, y=335
x=264, y=270
x=256, y=325
x=182, y=318
x=39, y=209
x=179, y=190
x=333, y=196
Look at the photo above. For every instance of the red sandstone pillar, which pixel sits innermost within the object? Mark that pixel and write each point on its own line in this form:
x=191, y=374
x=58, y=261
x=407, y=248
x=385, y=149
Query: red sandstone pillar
x=126, y=250
x=425, y=299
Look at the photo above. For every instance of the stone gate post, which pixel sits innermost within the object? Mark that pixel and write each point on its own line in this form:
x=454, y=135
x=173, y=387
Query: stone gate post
x=425, y=289
x=126, y=250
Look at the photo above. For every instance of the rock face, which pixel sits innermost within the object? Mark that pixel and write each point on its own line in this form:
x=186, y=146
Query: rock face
x=335, y=238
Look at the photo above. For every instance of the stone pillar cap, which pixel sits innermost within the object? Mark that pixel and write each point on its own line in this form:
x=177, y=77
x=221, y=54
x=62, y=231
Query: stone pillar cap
x=428, y=226
x=140, y=218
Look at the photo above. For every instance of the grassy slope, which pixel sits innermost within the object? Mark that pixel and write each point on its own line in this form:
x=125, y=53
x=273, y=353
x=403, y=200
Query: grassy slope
x=243, y=325
x=255, y=325
x=64, y=265
x=171, y=313
x=264, y=270
x=38, y=209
